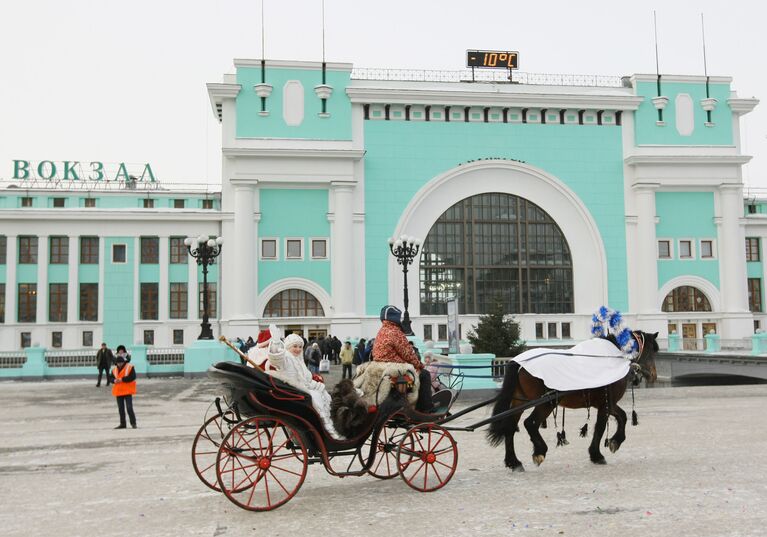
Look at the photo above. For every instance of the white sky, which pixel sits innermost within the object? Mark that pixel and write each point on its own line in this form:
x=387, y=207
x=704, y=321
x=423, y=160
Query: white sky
x=125, y=81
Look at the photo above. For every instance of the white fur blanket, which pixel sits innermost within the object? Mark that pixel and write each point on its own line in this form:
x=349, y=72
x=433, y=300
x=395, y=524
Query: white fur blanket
x=590, y=364
x=369, y=379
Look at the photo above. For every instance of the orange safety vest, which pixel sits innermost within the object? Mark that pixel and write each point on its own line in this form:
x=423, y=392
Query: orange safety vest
x=123, y=388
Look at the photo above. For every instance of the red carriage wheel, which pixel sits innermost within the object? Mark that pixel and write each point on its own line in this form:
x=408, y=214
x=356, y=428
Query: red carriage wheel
x=385, y=459
x=261, y=463
x=431, y=461
x=205, y=448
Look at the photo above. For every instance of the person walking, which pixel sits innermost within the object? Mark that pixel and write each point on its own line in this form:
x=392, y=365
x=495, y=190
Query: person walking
x=337, y=345
x=347, y=356
x=313, y=360
x=104, y=361
x=124, y=387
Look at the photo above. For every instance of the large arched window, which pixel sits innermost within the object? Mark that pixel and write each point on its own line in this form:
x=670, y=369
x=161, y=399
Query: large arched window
x=686, y=298
x=293, y=303
x=496, y=247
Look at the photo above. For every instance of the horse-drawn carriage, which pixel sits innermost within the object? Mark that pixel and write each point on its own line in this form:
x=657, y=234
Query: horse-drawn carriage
x=264, y=434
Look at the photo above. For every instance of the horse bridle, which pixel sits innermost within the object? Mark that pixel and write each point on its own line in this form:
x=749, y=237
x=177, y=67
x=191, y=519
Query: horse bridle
x=635, y=365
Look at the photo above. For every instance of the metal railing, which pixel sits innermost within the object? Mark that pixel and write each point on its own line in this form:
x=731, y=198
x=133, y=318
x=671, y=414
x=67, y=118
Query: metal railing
x=165, y=355
x=498, y=368
x=479, y=75
x=73, y=358
x=12, y=359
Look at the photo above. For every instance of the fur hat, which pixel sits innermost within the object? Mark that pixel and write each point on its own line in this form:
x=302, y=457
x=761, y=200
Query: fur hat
x=264, y=336
x=391, y=313
x=294, y=339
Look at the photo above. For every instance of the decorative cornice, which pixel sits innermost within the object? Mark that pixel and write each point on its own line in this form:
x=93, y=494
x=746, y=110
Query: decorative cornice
x=680, y=78
x=742, y=105
x=347, y=154
x=639, y=160
x=290, y=64
x=218, y=92
x=465, y=97
x=146, y=215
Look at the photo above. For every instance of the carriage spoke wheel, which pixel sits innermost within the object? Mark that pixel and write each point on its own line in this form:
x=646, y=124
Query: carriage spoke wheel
x=261, y=463
x=385, y=459
x=205, y=448
x=431, y=461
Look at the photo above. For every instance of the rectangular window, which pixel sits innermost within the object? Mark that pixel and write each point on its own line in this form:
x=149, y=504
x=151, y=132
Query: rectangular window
x=149, y=306
x=89, y=202
x=58, y=250
x=89, y=302
x=752, y=249
x=178, y=337
x=268, y=249
x=26, y=339
x=119, y=253
x=87, y=338
x=212, y=300
x=427, y=332
x=27, y=310
x=27, y=250
x=148, y=203
x=150, y=250
x=293, y=249
x=26, y=202
x=538, y=330
x=2, y=302
x=757, y=324
x=685, y=249
x=177, y=251
x=59, y=202
x=89, y=250
x=207, y=204
x=442, y=332
x=178, y=301
x=3, y=249
x=706, y=249
x=148, y=337
x=552, y=330
x=755, y=294
x=57, y=302
x=178, y=204
x=319, y=249
x=56, y=340
x=565, y=330
x=664, y=249
x=751, y=208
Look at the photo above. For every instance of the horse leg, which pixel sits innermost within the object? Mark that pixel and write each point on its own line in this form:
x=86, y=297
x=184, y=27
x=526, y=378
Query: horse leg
x=532, y=423
x=599, y=429
x=511, y=459
x=620, y=435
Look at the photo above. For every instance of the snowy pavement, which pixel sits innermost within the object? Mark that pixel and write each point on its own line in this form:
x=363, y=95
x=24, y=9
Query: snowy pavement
x=696, y=465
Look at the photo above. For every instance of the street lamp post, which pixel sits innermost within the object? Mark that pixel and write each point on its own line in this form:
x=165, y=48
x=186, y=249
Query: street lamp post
x=404, y=250
x=205, y=250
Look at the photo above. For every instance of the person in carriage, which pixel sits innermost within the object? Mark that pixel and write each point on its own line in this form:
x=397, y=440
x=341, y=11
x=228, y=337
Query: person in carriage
x=259, y=352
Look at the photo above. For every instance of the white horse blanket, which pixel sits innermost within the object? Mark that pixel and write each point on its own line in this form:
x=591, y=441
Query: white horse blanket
x=590, y=364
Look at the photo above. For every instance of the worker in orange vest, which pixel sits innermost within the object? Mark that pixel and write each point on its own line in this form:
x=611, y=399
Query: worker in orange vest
x=124, y=386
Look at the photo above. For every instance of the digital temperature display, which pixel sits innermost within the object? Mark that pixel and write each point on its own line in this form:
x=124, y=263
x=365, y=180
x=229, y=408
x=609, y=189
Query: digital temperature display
x=492, y=59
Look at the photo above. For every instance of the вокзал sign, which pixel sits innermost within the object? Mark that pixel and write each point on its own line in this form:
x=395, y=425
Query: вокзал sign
x=74, y=170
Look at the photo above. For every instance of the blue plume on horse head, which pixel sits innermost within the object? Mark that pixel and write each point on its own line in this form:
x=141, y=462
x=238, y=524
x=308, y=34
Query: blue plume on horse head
x=603, y=312
x=615, y=319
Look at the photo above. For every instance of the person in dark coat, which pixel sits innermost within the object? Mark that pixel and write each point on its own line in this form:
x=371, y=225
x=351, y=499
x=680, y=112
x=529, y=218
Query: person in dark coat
x=337, y=345
x=359, y=350
x=104, y=361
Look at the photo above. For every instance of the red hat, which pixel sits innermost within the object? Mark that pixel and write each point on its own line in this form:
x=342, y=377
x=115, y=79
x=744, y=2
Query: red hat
x=264, y=336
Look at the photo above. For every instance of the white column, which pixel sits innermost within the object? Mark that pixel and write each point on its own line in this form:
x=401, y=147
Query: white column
x=342, y=239
x=42, y=280
x=731, y=244
x=645, y=258
x=242, y=250
x=11, y=285
x=192, y=296
x=73, y=288
x=163, y=287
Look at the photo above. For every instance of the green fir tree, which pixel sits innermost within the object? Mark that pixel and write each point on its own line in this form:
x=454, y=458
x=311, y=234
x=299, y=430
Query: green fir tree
x=497, y=333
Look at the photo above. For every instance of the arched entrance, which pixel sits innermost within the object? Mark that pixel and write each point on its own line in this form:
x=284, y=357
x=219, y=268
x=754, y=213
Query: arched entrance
x=686, y=305
x=296, y=305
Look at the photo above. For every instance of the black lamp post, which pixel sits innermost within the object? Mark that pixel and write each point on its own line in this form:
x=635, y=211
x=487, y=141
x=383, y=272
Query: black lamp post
x=205, y=250
x=405, y=249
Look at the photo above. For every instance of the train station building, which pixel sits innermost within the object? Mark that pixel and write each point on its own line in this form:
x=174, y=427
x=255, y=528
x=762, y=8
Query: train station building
x=552, y=194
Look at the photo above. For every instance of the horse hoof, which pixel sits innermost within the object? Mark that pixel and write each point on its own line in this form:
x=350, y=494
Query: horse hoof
x=518, y=468
x=538, y=459
x=614, y=446
x=599, y=461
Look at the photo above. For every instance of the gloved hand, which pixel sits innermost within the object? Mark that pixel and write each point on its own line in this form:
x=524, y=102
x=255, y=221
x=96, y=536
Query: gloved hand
x=276, y=347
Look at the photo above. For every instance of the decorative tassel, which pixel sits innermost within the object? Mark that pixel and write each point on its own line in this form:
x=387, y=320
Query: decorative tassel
x=634, y=418
x=584, y=430
x=562, y=439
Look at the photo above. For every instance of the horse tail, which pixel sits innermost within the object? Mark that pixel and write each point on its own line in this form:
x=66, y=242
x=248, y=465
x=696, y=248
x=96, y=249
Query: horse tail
x=498, y=429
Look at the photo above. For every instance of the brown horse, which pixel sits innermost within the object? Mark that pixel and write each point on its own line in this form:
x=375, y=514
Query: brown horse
x=520, y=387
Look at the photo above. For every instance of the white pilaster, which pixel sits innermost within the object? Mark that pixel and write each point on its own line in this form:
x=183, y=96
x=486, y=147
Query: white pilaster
x=732, y=261
x=42, y=279
x=11, y=285
x=243, y=248
x=163, y=287
x=644, y=258
x=342, y=236
x=73, y=288
x=191, y=292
